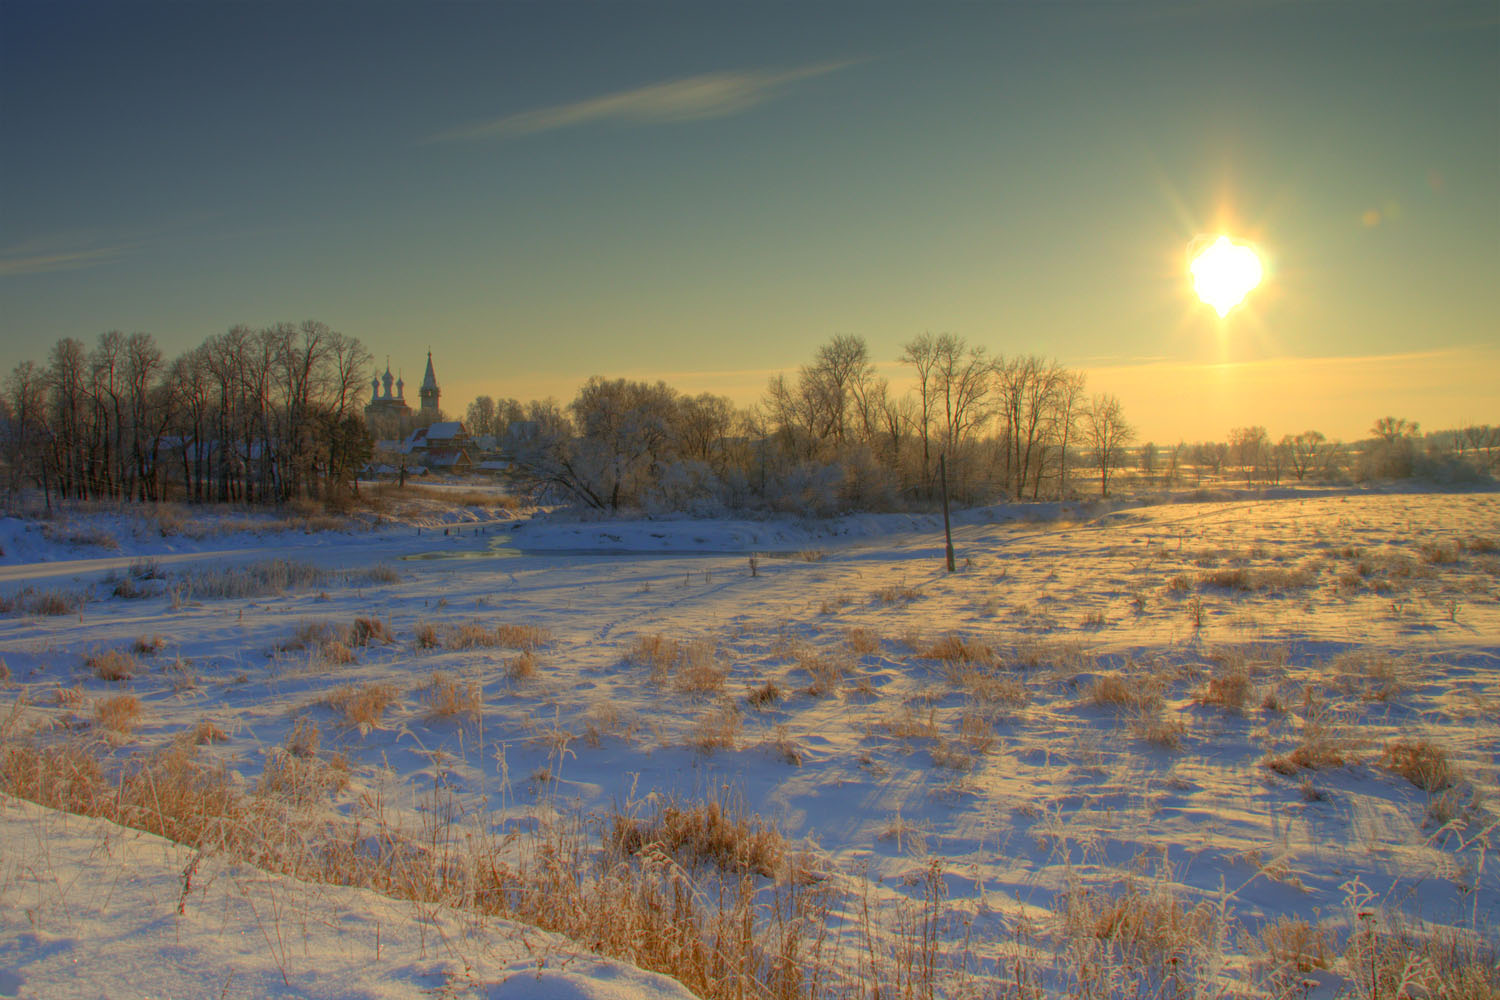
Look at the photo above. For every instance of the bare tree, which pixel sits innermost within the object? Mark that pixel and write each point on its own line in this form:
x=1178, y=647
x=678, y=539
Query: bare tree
x=1483, y=442
x=106, y=387
x=1174, y=463
x=1108, y=436
x=479, y=418
x=1069, y=400
x=1392, y=453
x=147, y=397
x=25, y=429
x=1148, y=461
x=922, y=354
x=1393, y=429
x=963, y=384
x=1248, y=445
x=67, y=417
x=704, y=425
x=835, y=382
x=1211, y=455
x=1028, y=394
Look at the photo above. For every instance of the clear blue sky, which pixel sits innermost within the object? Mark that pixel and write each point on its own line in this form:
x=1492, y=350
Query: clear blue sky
x=704, y=192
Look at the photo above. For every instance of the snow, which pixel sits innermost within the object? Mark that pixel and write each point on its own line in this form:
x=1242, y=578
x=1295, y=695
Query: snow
x=1055, y=790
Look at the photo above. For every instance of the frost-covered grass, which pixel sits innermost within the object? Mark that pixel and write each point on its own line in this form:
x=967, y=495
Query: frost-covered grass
x=957, y=788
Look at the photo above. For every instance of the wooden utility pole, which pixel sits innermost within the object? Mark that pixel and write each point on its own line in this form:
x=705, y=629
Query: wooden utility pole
x=947, y=529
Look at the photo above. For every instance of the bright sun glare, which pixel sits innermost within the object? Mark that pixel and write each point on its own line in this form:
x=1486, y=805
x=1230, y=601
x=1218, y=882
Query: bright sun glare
x=1224, y=274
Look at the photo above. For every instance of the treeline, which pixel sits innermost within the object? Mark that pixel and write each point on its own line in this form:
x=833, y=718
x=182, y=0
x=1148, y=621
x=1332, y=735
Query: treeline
x=1395, y=449
x=251, y=416
x=832, y=437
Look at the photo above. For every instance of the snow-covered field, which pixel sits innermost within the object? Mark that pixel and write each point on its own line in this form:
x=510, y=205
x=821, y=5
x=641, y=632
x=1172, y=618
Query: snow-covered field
x=1235, y=713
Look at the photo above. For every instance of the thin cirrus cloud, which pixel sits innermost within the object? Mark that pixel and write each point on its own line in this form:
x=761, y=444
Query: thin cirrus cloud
x=693, y=98
x=42, y=263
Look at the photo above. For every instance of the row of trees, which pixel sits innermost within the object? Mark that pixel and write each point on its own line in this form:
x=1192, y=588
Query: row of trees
x=833, y=436
x=250, y=415
x=1395, y=449
x=268, y=415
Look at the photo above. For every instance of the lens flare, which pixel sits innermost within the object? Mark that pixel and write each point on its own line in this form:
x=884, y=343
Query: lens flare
x=1224, y=274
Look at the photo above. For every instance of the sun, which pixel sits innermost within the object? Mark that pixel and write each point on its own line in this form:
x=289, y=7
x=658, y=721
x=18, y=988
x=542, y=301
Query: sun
x=1224, y=274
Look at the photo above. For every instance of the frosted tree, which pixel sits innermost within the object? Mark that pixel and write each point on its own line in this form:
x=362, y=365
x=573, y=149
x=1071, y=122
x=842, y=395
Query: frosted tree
x=1108, y=436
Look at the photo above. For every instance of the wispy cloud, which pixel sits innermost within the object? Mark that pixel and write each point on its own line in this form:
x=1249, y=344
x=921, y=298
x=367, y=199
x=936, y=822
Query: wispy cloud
x=14, y=263
x=694, y=98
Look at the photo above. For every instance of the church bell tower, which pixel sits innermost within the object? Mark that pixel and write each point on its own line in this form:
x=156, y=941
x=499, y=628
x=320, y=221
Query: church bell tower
x=429, y=390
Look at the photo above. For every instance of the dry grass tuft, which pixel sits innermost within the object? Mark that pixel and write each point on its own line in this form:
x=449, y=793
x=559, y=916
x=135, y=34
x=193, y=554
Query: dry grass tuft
x=825, y=671
x=951, y=755
x=47, y=602
x=334, y=652
x=1273, y=579
x=303, y=780
x=1116, y=690
x=55, y=602
x=445, y=697
x=1372, y=674
x=1481, y=544
x=521, y=667
x=1231, y=691
x=786, y=747
x=119, y=713
x=1124, y=939
x=607, y=718
x=956, y=649
x=113, y=665
x=274, y=576
x=304, y=739
x=897, y=594
x=367, y=630
x=309, y=634
x=68, y=697
x=470, y=637
x=655, y=651
x=1290, y=945
x=987, y=687
x=831, y=605
x=149, y=645
x=977, y=732
x=862, y=641
x=1420, y=762
x=426, y=636
x=1155, y=728
x=1440, y=553
x=705, y=833
x=524, y=637
x=699, y=670
x=764, y=696
x=363, y=706
x=909, y=725
x=716, y=729
x=206, y=732
x=129, y=588
x=1320, y=746
x=689, y=666
x=383, y=573
x=335, y=644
